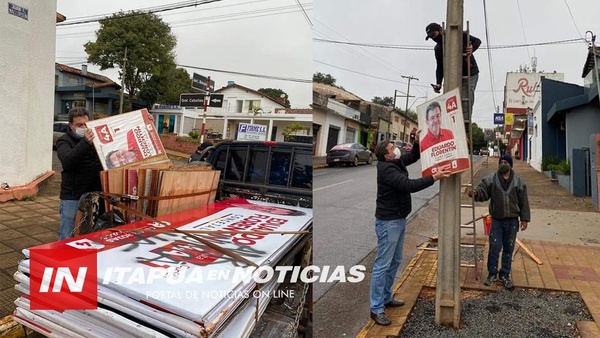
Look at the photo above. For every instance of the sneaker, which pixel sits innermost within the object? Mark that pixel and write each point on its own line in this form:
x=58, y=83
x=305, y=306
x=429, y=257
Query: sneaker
x=490, y=280
x=507, y=282
x=380, y=319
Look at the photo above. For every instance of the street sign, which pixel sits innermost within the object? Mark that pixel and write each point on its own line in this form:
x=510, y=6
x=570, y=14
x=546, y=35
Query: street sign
x=498, y=118
x=200, y=82
x=191, y=100
x=216, y=100
x=488, y=134
x=509, y=119
x=18, y=11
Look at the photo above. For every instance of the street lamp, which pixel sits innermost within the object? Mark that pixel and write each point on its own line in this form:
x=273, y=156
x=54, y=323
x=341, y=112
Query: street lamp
x=415, y=101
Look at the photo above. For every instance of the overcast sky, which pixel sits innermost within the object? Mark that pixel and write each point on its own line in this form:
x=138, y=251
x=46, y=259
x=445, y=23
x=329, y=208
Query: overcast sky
x=266, y=37
x=510, y=22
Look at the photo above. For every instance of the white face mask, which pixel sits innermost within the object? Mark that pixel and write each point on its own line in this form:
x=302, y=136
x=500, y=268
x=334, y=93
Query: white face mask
x=397, y=153
x=80, y=132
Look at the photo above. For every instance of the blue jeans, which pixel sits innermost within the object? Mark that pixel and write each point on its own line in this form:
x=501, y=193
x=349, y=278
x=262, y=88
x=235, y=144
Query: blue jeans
x=390, y=239
x=502, y=237
x=67, y=210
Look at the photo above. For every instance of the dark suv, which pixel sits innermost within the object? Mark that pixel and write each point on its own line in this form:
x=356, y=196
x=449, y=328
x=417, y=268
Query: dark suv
x=279, y=172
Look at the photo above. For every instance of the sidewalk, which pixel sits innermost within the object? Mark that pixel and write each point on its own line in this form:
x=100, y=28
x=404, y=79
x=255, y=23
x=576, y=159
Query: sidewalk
x=563, y=234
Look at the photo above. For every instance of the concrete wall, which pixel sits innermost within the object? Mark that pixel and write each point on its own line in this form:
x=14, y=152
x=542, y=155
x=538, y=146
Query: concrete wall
x=231, y=95
x=580, y=123
x=26, y=91
x=320, y=118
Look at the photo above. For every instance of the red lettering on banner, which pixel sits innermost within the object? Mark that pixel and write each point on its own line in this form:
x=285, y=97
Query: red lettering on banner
x=523, y=86
x=451, y=104
x=104, y=134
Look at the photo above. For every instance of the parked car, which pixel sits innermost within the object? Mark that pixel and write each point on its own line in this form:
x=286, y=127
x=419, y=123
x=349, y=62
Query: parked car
x=59, y=128
x=349, y=153
x=404, y=147
x=484, y=152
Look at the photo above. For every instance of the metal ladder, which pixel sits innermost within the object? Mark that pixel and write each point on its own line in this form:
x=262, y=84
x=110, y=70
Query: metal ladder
x=466, y=106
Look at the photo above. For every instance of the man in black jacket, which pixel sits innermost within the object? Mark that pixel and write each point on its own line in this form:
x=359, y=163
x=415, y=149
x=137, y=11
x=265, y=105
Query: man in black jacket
x=436, y=33
x=393, y=206
x=81, y=168
x=509, y=208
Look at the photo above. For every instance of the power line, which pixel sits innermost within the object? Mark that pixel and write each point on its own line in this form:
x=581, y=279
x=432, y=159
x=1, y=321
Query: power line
x=305, y=15
x=368, y=75
x=573, y=19
x=159, y=10
x=523, y=27
x=421, y=47
x=489, y=52
x=249, y=74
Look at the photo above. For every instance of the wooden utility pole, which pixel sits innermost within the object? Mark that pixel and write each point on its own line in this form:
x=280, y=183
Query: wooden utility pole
x=123, y=83
x=406, y=109
x=447, y=296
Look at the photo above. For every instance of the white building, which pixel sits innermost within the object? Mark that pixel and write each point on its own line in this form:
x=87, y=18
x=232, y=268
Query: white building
x=240, y=104
x=28, y=35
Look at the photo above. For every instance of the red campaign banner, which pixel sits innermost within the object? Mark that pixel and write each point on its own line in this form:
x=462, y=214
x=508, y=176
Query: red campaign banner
x=126, y=138
x=443, y=141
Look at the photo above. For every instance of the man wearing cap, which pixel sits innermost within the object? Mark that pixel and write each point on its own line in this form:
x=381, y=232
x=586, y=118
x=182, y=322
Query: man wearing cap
x=509, y=205
x=436, y=33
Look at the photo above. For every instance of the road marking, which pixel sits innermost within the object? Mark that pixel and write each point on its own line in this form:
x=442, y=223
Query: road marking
x=332, y=185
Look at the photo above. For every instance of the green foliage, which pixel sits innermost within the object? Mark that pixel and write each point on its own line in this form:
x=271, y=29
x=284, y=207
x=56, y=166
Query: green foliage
x=478, y=139
x=547, y=161
x=167, y=86
x=290, y=130
x=149, y=44
x=185, y=139
x=386, y=100
x=29, y=198
x=413, y=116
x=194, y=134
x=324, y=78
x=563, y=167
x=275, y=94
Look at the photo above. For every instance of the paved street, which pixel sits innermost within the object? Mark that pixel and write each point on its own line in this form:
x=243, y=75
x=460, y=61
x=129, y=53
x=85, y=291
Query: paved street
x=344, y=235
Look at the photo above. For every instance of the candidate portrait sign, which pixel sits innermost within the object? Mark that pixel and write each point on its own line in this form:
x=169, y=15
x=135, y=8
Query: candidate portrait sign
x=442, y=140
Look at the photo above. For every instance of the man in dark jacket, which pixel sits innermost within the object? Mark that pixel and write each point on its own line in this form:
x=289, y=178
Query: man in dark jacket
x=436, y=33
x=508, y=204
x=393, y=205
x=197, y=155
x=81, y=168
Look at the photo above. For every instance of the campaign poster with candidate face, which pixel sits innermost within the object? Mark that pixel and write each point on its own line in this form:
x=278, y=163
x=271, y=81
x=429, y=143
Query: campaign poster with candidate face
x=443, y=141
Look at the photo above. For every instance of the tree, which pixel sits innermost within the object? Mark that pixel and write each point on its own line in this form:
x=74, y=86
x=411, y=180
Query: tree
x=149, y=43
x=386, y=100
x=166, y=87
x=478, y=137
x=275, y=94
x=324, y=78
x=290, y=130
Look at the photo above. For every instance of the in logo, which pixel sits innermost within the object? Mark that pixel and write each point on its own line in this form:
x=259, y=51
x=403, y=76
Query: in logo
x=63, y=279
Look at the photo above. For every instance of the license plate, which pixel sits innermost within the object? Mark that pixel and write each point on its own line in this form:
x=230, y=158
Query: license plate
x=336, y=160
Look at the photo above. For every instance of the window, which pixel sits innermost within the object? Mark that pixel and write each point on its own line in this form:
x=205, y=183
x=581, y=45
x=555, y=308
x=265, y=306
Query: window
x=302, y=175
x=235, y=165
x=280, y=163
x=257, y=166
x=396, y=119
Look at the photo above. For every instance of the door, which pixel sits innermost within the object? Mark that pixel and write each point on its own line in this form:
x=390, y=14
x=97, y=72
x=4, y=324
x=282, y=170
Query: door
x=332, y=137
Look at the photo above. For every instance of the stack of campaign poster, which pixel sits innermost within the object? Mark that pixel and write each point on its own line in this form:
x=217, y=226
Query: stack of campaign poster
x=153, y=282
x=443, y=141
x=127, y=138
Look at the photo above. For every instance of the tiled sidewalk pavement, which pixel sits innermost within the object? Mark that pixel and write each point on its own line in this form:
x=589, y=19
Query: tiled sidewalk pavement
x=565, y=267
x=23, y=224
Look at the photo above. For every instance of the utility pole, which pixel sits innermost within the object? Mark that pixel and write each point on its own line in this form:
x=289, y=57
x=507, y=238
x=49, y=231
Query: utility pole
x=123, y=83
x=206, y=103
x=447, y=296
x=406, y=110
x=395, y=95
x=593, y=46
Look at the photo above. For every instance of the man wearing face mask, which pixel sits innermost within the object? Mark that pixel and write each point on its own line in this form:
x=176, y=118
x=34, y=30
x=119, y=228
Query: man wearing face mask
x=81, y=168
x=393, y=206
x=509, y=208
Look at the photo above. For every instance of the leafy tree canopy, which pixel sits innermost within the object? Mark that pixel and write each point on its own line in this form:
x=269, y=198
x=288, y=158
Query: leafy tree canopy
x=386, y=100
x=478, y=139
x=167, y=86
x=275, y=94
x=324, y=78
x=149, y=44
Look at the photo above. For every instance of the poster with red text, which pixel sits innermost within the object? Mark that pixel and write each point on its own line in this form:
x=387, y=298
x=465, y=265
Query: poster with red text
x=126, y=138
x=443, y=141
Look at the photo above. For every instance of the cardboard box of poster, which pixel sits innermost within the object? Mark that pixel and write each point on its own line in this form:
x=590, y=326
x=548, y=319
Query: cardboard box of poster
x=443, y=141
